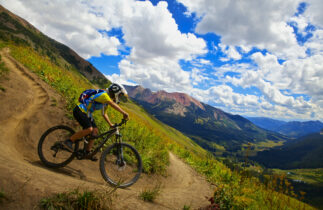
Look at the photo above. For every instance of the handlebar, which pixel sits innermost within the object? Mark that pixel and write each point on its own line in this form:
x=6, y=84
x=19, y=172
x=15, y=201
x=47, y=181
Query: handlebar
x=124, y=121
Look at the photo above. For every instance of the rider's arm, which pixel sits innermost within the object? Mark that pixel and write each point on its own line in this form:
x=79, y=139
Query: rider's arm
x=106, y=117
x=118, y=108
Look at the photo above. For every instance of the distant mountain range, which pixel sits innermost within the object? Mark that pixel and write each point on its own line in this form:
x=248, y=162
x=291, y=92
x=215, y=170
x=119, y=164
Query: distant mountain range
x=293, y=129
x=203, y=123
x=305, y=152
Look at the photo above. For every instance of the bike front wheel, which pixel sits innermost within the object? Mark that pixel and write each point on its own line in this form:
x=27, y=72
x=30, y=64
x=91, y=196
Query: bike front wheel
x=120, y=165
x=50, y=149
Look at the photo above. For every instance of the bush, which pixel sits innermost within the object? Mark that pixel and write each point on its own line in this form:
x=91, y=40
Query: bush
x=2, y=196
x=150, y=194
x=86, y=200
x=3, y=69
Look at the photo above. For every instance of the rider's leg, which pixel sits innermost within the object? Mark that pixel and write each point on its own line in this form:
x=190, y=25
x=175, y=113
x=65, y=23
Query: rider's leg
x=95, y=132
x=81, y=134
x=85, y=122
x=68, y=143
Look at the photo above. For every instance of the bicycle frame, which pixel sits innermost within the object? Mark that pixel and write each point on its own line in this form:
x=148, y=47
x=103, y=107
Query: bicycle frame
x=115, y=131
x=113, y=163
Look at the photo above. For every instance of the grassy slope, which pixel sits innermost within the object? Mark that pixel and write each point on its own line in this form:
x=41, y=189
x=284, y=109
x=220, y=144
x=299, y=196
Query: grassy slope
x=153, y=139
x=304, y=152
x=307, y=180
x=3, y=72
x=311, y=176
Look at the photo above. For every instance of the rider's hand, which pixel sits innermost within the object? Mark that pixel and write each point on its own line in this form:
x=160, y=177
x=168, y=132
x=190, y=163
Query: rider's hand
x=126, y=116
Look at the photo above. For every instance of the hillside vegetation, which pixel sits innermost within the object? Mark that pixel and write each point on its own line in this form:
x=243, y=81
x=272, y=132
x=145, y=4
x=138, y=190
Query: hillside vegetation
x=152, y=138
x=305, y=152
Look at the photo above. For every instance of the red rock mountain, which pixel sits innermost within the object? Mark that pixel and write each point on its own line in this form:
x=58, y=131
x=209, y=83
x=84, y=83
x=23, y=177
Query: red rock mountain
x=154, y=97
x=201, y=122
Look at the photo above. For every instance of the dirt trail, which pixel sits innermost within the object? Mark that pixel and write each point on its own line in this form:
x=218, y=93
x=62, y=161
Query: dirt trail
x=28, y=107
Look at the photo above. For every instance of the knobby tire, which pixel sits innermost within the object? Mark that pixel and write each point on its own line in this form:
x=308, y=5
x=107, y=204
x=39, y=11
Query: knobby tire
x=45, y=137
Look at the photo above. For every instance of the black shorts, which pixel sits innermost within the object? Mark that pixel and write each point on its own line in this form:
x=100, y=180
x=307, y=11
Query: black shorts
x=83, y=119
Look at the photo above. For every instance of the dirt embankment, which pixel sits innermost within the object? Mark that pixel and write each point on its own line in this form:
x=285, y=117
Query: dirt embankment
x=29, y=107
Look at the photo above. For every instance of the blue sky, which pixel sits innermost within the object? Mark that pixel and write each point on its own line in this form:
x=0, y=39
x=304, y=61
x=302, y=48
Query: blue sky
x=254, y=58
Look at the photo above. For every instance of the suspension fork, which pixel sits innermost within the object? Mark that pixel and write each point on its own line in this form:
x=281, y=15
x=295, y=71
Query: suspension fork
x=119, y=147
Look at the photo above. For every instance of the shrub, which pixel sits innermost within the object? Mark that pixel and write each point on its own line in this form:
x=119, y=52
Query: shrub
x=2, y=196
x=3, y=69
x=150, y=194
x=86, y=200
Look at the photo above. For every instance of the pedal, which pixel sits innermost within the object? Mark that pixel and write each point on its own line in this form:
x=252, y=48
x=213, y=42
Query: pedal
x=92, y=158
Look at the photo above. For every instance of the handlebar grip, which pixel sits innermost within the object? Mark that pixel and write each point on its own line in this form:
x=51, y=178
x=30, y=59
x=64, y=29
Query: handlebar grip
x=124, y=121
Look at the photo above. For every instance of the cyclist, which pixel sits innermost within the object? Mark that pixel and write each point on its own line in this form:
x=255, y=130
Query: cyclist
x=83, y=114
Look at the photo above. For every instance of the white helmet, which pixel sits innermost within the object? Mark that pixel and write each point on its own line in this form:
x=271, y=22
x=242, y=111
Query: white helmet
x=117, y=92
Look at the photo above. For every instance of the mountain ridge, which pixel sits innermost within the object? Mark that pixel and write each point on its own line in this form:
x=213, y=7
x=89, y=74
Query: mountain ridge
x=153, y=97
x=295, y=129
x=203, y=123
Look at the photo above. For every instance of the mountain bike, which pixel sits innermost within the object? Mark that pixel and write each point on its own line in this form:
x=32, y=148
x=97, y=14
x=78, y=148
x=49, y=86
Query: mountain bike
x=120, y=163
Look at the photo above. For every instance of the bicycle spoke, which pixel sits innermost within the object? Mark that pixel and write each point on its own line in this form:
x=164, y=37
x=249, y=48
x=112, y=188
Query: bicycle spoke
x=121, y=169
x=51, y=150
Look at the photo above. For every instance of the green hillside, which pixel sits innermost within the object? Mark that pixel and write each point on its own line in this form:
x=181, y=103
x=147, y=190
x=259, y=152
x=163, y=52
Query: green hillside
x=153, y=139
x=305, y=152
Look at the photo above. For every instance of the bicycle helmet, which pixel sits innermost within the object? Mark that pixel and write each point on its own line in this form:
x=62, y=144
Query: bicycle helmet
x=117, y=92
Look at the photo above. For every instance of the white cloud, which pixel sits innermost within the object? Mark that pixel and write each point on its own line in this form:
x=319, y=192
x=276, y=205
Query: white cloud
x=225, y=97
x=150, y=31
x=249, y=23
x=314, y=12
x=157, y=46
x=116, y=78
x=298, y=76
x=71, y=22
x=158, y=75
x=264, y=24
x=230, y=52
x=197, y=76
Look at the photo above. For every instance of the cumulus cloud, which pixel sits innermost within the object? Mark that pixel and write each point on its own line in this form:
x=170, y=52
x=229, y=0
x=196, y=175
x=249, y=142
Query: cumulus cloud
x=157, y=46
x=197, y=76
x=150, y=31
x=314, y=12
x=155, y=41
x=249, y=23
x=71, y=22
x=230, y=52
x=299, y=76
x=116, y=78
x=158, y=75
x=269, y=25
x=225, y=97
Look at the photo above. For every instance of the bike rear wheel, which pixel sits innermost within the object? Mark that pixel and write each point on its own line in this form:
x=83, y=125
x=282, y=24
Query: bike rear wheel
x=120, y=165
x=50, y=149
